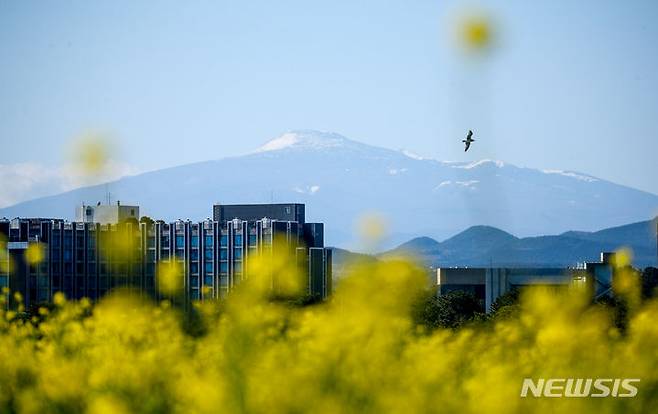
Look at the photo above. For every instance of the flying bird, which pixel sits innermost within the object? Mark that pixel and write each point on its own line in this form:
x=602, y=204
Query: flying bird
x=468, y=140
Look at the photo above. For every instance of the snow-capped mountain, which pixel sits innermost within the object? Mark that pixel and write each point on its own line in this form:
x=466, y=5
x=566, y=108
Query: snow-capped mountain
x=340, y=180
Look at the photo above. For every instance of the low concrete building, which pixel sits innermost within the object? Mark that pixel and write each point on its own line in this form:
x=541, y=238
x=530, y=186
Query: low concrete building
x=488, y=284
x=105, y=214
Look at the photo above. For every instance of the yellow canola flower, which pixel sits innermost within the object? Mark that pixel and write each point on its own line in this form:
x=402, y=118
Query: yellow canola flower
x=170, y=278
x=92, y=152
x=35, y=253
x=476, y=32
x=59, y=299
x=361, y=351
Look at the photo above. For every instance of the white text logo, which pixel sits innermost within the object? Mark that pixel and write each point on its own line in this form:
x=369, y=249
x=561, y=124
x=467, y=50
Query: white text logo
x=579, y=387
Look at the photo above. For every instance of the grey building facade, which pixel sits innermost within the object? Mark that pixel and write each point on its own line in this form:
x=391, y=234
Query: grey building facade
x=488, y=284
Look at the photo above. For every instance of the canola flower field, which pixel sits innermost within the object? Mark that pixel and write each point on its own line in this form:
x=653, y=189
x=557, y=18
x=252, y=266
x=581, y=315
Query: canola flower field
x=359, y=352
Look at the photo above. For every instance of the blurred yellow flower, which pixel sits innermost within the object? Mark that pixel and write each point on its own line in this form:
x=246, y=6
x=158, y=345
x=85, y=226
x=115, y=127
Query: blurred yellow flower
x=59, y=299
x=360, y=351
x=474, y=30
x=35, y=253
x=372, y=229
x=170, y=277
x=91, y=153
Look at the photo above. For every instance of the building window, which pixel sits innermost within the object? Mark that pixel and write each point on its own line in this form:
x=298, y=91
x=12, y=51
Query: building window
x=194, y=268
x=237, y=239
x=223, y=240
x=208, y=267
x=194, y=254
x=252, y=240
x=195, y=241
x=223, y=267
x=180, y=241
x=237, y=253
x=208, y=281
x=208, y=241
x=223, y=254
x=208, y=254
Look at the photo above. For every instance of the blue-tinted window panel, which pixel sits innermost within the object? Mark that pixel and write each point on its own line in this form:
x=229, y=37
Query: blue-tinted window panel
x=223, y=240
x=223, y=254
x=208, y=254
x=237, y=239
x=180, y=241
x=195, y=241
x=194, y=254
x=252, y=239
x=223, y=267
x=194, y=268
x=237, y=253
x=208, y=281
x=208, y=240
x=208, y=267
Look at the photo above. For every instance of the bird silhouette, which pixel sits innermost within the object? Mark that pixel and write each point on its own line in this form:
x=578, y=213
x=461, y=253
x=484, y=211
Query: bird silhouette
x=468, y=140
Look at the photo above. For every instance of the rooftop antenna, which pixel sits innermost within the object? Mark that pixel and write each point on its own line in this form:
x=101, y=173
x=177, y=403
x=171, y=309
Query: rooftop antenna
x=107, y=193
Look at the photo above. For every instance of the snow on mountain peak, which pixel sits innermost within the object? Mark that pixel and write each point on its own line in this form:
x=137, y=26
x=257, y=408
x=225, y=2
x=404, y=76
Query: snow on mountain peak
x=306, y=139
x=581, y=177
x=412, y=155
x=475, y=164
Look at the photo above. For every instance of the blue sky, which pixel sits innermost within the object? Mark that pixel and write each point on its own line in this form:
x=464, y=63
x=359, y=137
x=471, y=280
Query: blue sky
x=570, y=85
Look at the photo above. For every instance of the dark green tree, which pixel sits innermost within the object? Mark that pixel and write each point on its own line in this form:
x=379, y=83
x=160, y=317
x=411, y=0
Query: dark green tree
x=649, y=280
x=146, y=219
x=506, y=305
x=450, y=310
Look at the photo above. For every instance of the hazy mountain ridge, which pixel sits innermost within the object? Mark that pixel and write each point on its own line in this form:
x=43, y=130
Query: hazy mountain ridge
x=469, y=248
x=340, y=179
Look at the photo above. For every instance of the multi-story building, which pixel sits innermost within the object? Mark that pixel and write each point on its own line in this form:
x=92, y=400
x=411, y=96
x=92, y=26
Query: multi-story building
x=86, y=259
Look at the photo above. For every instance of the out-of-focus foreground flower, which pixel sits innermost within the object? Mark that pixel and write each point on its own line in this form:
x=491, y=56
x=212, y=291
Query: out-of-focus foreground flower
x=359, y=352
